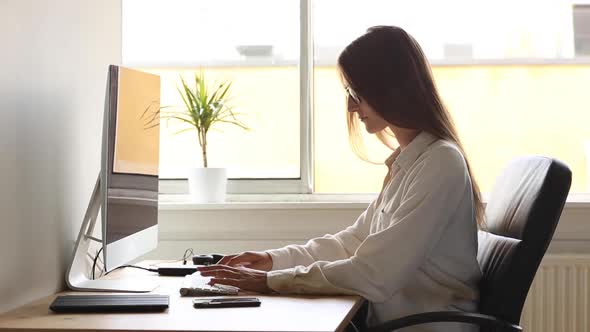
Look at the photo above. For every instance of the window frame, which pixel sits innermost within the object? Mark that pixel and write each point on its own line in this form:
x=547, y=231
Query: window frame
x=304, y=184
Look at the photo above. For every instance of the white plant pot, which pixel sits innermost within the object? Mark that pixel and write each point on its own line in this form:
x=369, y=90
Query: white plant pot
x=207, y=185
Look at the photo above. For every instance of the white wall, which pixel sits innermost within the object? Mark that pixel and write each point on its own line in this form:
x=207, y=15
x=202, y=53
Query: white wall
x=54, y=58
x=228, y=228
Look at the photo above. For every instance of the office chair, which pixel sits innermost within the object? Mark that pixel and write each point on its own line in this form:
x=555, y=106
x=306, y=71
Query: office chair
x=521, y=215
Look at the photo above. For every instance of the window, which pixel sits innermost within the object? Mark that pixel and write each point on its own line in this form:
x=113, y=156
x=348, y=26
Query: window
x=229, y=40
x=509, y=76
x=514, y=79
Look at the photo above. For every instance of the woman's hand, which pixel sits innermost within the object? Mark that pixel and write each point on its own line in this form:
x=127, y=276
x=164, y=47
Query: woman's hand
x=249, y=259
x=241, y=277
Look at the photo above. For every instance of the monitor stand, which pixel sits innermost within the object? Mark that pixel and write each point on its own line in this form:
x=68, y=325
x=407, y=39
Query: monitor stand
x=77, y=276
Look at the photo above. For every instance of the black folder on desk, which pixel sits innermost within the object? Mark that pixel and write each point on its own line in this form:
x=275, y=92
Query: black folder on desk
x=109, y=303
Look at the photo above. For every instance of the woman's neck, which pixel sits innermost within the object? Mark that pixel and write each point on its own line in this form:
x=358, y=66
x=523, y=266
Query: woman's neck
x=403, y=135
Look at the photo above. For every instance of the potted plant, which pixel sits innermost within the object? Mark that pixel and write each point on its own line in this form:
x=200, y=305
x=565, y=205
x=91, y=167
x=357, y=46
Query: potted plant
x=205, y=105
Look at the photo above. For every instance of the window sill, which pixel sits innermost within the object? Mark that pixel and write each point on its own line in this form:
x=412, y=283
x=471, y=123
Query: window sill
x=270, y=202
x=259, y=222
x=171, y=202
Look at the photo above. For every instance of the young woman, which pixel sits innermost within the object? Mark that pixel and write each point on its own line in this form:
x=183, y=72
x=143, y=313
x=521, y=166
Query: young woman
x=414, y=249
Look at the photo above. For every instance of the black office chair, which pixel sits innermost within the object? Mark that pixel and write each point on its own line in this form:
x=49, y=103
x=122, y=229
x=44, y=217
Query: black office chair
x=521, y=216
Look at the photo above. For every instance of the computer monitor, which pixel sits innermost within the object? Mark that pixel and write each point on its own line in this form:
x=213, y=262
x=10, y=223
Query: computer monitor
x=126, y=191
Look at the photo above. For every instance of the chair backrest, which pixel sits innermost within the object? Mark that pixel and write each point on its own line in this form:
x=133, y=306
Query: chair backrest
x=521, y=215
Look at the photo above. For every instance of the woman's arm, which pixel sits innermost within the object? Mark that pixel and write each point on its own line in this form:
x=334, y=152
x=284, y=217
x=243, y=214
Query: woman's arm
x=339, y=246
x=387, y=259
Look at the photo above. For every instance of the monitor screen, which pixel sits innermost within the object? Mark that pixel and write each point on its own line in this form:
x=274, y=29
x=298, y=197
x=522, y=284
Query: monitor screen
x=137, y=124
x=133, y=156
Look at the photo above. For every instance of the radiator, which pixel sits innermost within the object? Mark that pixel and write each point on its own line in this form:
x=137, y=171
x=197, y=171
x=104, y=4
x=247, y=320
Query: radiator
x=559, y=298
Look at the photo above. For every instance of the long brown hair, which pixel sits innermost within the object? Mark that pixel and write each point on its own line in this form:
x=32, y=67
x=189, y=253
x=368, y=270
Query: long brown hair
x=388, y=69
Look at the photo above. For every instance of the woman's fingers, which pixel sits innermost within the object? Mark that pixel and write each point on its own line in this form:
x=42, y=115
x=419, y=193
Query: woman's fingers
x=218, y=267
x=242, y=259
x=252, y=260
x=226, y=259
x=243, y=278
x=227, y=281
x=256, y=284
x=222, y=273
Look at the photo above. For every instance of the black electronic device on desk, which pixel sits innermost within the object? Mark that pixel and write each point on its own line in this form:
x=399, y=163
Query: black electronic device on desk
x=207, y=259
x=183, y=270
x=177, y=271
x=239, y=302
x=110, y=303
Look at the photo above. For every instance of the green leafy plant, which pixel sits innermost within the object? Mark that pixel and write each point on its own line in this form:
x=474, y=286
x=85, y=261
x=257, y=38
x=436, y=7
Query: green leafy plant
x=205, y=105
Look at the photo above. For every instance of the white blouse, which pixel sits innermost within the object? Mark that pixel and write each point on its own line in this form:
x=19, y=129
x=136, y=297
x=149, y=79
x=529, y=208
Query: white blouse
x=413, y=250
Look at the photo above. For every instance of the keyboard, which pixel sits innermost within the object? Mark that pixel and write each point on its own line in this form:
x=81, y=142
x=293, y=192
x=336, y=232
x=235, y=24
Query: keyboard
x=110, y=303
x=207, y=290
x=197, y=285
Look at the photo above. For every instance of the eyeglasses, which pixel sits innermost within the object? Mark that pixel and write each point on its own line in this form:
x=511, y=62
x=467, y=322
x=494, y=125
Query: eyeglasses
x=352, y=94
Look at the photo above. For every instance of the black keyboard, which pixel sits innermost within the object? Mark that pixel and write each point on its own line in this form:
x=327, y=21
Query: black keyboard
x=110, y=303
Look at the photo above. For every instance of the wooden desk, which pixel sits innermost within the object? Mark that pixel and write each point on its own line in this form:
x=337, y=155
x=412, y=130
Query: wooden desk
x=277, y=313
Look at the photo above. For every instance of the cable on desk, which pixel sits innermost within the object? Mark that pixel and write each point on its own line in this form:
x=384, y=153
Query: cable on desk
x=188, y=253
x=185, y=256
x=133, y=266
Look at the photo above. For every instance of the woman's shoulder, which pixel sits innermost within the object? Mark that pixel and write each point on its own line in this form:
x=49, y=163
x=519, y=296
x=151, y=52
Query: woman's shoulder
x=442, y=155
x=443, y=150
